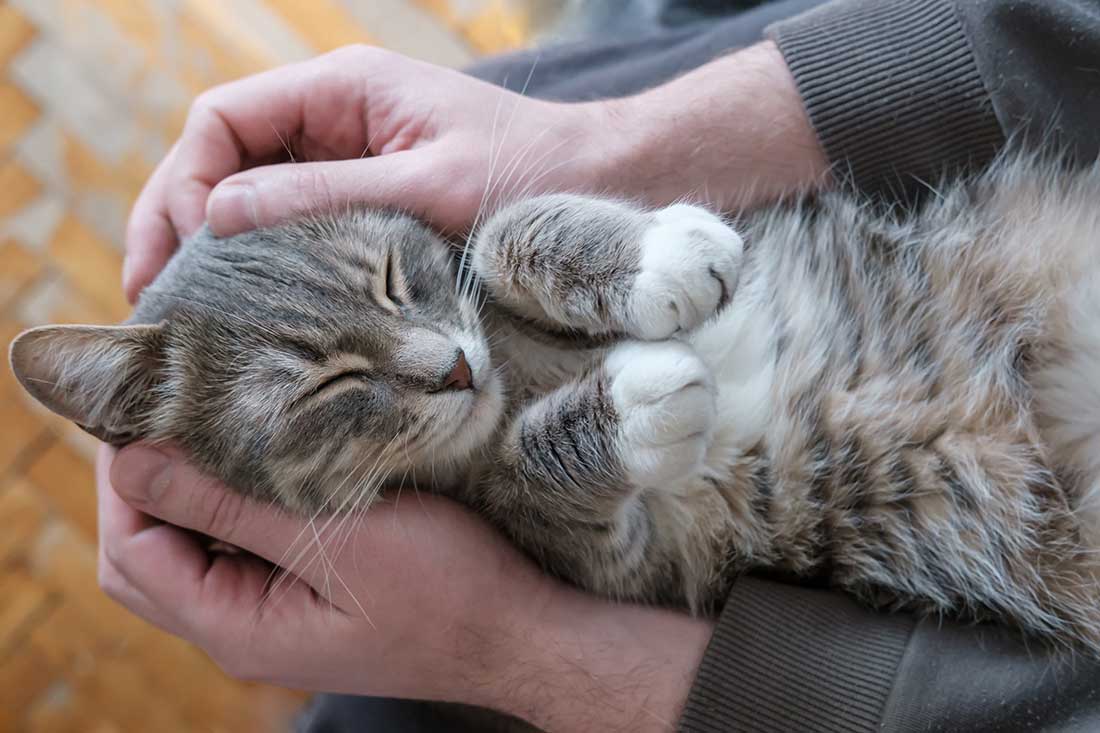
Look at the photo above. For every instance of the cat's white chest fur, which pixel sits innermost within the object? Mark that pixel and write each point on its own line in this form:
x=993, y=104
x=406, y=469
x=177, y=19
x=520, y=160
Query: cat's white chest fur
x=738, y=345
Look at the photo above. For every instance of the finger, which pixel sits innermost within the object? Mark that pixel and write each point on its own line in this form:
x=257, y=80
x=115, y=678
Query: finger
x=163, y=484
x=151, y=237
x=162, y=573
x=117, y=520
x=240, y=124
x=229, y=128
x=269, y=195
x=118, y=523
x=218, y=602
x=118, y=587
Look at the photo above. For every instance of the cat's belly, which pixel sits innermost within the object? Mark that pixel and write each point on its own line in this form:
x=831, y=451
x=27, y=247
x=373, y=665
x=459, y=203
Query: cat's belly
x=739, y=346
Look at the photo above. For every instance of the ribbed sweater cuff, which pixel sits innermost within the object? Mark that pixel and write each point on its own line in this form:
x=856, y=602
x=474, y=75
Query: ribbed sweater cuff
x=785, y=658
x=892, y=89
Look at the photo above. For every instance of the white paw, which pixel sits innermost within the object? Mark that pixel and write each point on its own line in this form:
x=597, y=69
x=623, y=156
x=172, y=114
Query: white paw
x=665, y=397
x=691, y=261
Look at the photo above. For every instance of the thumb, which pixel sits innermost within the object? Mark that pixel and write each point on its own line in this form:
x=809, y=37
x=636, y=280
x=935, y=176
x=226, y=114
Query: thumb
x=269, y=195
x=163, y=484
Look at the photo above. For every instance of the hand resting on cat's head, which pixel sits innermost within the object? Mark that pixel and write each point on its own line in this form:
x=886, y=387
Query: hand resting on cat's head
x=366, y=126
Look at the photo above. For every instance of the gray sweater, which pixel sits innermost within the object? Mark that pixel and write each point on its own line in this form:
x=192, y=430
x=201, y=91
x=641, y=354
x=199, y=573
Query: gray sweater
x=898, y=91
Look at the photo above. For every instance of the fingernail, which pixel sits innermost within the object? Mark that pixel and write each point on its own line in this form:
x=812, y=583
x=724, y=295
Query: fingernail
x=232, y=208
x=141, y=473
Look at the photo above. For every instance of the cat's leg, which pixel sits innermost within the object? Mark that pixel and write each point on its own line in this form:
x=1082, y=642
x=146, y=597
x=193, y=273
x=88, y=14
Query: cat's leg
x=586, y=477
x=606, y=267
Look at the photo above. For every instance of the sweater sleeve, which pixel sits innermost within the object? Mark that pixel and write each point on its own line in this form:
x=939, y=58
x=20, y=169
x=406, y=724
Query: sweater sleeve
x=900, y=91
x=891, y=87
x=785, y=658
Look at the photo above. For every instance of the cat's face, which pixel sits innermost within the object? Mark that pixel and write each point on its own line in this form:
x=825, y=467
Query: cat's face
x=304, y=364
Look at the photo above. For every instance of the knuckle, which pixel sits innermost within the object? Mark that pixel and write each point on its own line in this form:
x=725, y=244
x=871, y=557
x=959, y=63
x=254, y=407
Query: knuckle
x=204, y=102
x=201, y=106
x=313, y=186
x=109, y=559
x=110, y=579
x=223, y=511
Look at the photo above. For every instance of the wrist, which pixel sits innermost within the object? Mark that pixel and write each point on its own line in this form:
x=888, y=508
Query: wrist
x=603, y=149
x=579, y=663
x=733, y=133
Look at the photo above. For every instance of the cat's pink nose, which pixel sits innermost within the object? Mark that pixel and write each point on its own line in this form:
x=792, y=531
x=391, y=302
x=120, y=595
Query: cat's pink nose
x=460, y=376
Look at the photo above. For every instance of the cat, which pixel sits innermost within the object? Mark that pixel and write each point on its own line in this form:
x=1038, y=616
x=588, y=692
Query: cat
x=904, y=404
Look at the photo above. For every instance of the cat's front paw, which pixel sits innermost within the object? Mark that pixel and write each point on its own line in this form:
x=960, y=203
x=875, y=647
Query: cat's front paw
x=665, y=397
x=690, y=265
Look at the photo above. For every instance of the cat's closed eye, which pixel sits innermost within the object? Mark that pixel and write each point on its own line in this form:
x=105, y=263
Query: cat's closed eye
x=340, y=379
x=342, y=373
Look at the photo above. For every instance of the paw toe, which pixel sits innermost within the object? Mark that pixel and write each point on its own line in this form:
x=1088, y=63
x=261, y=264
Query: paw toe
x=665, y=397
x=689, y=270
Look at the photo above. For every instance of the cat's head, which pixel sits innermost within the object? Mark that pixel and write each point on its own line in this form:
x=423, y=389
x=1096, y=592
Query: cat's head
x=300, y=364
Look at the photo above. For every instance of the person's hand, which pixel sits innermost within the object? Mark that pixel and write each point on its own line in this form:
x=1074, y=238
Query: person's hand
x=416, y=599
x=366, y=126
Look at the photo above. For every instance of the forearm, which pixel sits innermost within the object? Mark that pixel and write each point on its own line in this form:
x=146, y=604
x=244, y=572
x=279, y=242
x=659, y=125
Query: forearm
x=732, y=133
x=635, y=678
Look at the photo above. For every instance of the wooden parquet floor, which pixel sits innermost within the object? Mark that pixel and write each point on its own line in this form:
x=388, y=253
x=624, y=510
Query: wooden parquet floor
x=91, y=94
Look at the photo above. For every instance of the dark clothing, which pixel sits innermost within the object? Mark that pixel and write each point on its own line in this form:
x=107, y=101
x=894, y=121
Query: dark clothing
x=589, y=69
x=785, y=658
x=899, y=91
x=348, y=714
x=609, y=19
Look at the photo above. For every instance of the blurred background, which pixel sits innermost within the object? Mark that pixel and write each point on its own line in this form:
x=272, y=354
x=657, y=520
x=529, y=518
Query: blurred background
x=92, y=92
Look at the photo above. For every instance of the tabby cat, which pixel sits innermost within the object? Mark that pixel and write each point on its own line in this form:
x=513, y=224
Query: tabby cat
x=904, y=404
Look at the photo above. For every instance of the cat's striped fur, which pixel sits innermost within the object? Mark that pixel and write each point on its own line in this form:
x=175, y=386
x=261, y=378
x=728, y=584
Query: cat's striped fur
x=902, y=404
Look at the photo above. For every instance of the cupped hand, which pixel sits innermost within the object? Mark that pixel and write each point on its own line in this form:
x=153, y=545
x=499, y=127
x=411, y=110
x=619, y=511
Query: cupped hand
x=358, y=125
x=418, y=598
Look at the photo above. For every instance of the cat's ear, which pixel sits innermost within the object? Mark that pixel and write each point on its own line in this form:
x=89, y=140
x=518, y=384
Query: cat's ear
x=100, y=377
